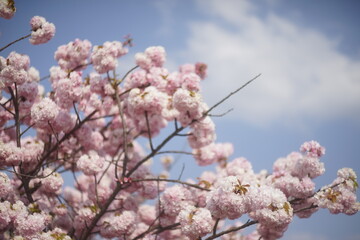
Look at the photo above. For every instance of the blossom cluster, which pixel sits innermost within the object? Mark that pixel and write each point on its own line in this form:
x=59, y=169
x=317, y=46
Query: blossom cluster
x=91, y=125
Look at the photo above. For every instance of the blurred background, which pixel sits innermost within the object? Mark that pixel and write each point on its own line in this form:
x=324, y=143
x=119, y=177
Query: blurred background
x=308, y=53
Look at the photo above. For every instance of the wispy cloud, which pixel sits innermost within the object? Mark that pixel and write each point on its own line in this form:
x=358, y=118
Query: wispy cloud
x=304, y=76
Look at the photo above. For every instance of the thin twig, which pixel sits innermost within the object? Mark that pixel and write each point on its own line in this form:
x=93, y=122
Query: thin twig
x=76, y=112
x=27, y=129
x=13, y=42
x=16, y=107
x=215, y=226
x=126, y=74
x=149, y=131
x=8, y=110
x=175, y=152
x=182, y=171
x=230, y=94
x=233, y=229
x=222, y=114
x=170, y=180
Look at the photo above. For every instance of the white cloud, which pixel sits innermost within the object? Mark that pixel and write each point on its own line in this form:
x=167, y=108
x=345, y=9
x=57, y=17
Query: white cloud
x=304, y=76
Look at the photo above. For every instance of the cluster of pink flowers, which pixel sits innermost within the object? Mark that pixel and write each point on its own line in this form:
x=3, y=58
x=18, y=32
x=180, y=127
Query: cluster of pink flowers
x=74, y=54
x=213, y=153
x=104, y=58
x=14, y=69
x=44, y=112
x=340, y=196
x=91, y=125
x=7, y=9
x=152, y=57
x=42, y=31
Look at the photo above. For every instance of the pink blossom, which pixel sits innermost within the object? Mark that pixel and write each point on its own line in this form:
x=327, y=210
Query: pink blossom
x=7, y=9
x=14, y=69
x=174, y=199
x=195, y=222
x=10, y=154
x=52, y=181
x=152, y=57
x=286, y=164
x=150, y=189
x=104, y=58
x=33, y=148
x=201, y=70
x=69, y=90
x=187, y=68
x=44, y=112
x=240, y=167
x=98, y=84
x=100, y=192
x=28, y=92
x=312, y=149
x=230, y=198
x=338, y=198
x=273, y=209
x=149, y=100
x=186, y=101
x=42, y=31
x=157, y=77
x=6, y=187
x=211, y=153
x=308, y=166
x=84, y=216
x=18, y=61
x=136, y=79
x=302, y=204
x=73, y=55
x=29, y=225
x=270, y=232
x=4, y=116
x=157, y=55
x=348, y=176
x=147, y=213
x=90, y=163
x=18, y=210
x=172, y=82
x=73, y=196
x=293, y=186
x=190, y=81
x=143, y=61
x=202, y=133
x=34, y=75
x=54, y=234
x=63, y=122
x=118, y=225
x=5, y=207
x=56, y=73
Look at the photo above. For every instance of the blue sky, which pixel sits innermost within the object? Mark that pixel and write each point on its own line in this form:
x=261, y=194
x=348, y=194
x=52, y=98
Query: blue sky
x=308, y=53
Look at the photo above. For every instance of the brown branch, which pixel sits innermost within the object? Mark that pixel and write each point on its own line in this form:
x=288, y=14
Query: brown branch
x=149, y=131
x=65, y=137
x=170, y=180
x=174, y=152
x=13, y=42
x=233, y=229
x=215, y=226
x=102, y=211
x=16, y=107
x=230, y=94
x=126, y=74
x=8, y=110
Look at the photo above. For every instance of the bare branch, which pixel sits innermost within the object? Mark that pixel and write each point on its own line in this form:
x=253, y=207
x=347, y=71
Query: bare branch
x=13, y=42
x=230, y=94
